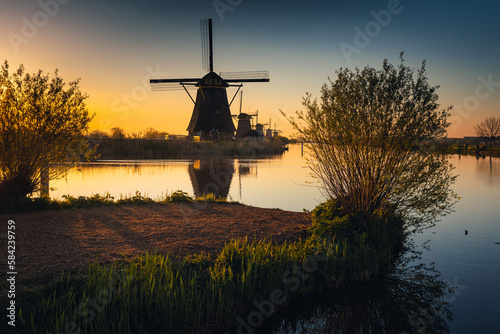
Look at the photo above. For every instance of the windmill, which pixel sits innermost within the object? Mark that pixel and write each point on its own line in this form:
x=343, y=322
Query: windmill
x=270, y=133
x=211, y=116
x=244, y=120
x=276, y=132
x=259, y=127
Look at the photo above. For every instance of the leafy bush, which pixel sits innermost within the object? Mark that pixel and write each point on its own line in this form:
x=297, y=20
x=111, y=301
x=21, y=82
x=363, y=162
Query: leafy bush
x=370, y=138
x=329, y=219
x=86, y=202
x=179, y=196
x=42, y=127
x=383, y=229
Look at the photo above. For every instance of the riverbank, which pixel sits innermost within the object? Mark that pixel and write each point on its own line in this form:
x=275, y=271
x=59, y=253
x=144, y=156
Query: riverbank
x=478, y=150
x=111, y=149
x=185, y=267
x=52, y=241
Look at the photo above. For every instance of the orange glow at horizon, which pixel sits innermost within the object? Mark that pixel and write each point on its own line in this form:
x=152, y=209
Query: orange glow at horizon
x=116, y=58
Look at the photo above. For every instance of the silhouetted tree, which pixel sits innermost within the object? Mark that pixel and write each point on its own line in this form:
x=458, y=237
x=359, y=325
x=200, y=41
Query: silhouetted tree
x=489, y=129
x=42, y=124
x=366, y=140
x=152, y=133
x=98, y=134
x=117, y=133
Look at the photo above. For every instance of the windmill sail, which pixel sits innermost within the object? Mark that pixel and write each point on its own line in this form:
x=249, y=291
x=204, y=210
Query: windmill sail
x=173, y=84
x=247, y=76
x=207, y=54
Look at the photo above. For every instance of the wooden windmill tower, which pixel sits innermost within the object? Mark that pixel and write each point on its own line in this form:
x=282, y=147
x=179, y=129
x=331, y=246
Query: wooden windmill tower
x=211, y=118
x=244, y=121
x=276, y=132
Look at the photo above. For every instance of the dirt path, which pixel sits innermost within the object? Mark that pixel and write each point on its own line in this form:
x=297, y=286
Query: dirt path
x=48, y=242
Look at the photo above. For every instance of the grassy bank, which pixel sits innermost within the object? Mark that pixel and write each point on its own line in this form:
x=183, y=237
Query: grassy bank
x=159, y=149
x=247, y=280
x=69, y=202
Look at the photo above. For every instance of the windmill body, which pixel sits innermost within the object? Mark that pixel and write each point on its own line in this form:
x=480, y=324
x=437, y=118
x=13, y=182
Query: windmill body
x=211, y=114
x=244, y=125
x=211, y=117
x=260, y=128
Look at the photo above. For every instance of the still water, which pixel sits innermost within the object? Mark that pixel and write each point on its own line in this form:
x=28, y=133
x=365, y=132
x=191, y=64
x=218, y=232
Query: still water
x=271, y=182
x=470, y=263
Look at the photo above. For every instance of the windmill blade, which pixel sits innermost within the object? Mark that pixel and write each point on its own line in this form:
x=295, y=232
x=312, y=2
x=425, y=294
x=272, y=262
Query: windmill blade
x=248, y=76
x=206, y=45
x=172, y=84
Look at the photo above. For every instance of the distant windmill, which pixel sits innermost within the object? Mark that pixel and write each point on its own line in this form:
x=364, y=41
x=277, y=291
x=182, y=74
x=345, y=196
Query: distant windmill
x=211, y=116
x=275, y=132
x=269, y=132
x=259, y=127
x=244, y=120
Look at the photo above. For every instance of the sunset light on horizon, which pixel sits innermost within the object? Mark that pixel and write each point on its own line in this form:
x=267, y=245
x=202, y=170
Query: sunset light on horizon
x=116, y=47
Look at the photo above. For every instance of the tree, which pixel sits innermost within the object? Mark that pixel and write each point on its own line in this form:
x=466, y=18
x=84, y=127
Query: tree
x=42, y=124
x=368, y=140
x=152, y=133
x=117, y=133
x=489, y=129
x=97, y=134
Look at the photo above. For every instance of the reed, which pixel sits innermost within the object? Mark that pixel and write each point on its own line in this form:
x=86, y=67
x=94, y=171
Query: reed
x=154, y=293
x=159, y=149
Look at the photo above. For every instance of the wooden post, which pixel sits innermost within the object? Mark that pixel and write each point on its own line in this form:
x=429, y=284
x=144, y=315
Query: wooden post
x=44, y=182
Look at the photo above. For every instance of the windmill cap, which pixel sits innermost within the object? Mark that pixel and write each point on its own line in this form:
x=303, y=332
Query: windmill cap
x=212, y=79
x=244, y=116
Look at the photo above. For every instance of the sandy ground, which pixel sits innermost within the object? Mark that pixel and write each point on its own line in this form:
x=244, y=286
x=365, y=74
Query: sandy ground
x=48, y=242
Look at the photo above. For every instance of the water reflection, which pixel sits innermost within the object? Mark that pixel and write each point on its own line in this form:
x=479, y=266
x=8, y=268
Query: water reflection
x=410, y=299
x=211, y=176
x=265, y=181
x=488, y=171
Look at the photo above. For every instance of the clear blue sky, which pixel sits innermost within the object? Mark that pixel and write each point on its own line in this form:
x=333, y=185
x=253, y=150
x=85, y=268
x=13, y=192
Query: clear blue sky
x=114, y=46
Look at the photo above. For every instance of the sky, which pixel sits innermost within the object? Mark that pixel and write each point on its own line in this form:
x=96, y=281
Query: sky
x=115, y=47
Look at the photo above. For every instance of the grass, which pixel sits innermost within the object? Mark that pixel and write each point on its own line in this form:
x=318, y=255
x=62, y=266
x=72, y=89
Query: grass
x=68, y=202
x=154, y=293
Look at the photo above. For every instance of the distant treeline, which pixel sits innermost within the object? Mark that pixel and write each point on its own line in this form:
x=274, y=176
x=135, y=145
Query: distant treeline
x=477, y=150
x=108, y=149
